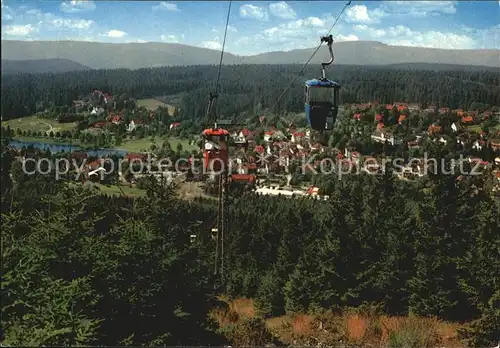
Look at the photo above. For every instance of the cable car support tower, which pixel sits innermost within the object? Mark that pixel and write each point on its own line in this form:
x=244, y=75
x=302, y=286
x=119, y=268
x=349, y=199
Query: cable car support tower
x=220, y=138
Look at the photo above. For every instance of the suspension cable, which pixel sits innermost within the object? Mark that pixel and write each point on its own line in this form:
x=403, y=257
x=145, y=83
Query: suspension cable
x=214, y=96
x=310, y=58
x=223, y=46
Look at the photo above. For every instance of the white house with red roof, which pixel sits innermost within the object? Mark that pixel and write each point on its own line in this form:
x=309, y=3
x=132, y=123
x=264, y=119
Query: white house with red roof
x=175, y=125
x=298, y=137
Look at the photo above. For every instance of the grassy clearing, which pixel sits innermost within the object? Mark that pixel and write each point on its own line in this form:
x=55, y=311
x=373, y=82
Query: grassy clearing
x=35, y=123
x=350, y=327
x=47, y=140
x=475, y=128
x=192, y=190
x=115, y=190
x=153, y=104
x=144, y=144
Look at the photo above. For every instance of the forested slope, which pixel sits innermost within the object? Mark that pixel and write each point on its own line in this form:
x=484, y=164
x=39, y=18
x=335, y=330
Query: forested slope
x=249, y=89
x=10, y=67
x=84, y=269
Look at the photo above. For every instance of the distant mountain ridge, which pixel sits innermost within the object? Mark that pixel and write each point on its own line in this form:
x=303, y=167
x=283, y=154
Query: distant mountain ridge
x=40, y=66
x=96, y=55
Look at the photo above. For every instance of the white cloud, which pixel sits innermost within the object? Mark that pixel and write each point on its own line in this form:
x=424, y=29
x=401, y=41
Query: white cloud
x=361, y=14
x=419, y=8
x=166, y=6
x=19, y=30
x=50, y=21
x=213, y=45
x=282, y=10
x=295, y=34
x=404, y=36
x=7, y=13
x=349, y=37
x=254, y=12
x=116, y=33
x=71, y=24
x=485, y=38
x=75, y=6
x=172, y=38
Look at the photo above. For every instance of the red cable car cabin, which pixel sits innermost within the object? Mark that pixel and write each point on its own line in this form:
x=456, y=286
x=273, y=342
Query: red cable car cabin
x=215, y=151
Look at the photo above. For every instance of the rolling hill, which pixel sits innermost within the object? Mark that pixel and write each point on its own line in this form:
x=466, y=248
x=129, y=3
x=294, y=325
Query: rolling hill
x=140, y=55
x=40, y=66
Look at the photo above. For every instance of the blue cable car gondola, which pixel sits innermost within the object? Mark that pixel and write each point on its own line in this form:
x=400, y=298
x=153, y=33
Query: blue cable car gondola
x=322, y=97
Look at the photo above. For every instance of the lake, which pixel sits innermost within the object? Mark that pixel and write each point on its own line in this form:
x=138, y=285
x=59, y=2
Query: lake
x=56, y=148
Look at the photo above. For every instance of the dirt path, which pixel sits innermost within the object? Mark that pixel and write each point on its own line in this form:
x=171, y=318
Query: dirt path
x=50, y=127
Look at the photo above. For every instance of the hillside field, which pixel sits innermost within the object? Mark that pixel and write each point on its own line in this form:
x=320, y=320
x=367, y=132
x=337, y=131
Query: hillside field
x=144, y=144
x=153, y=104
x=35, y=123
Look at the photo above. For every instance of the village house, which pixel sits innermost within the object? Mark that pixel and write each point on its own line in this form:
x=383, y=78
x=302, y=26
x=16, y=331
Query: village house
x=298, y=137
x=455, y=127
x=117, y=119
x=97, y=111
x=495, y=145
x=478, y=145
x=174, y=125
x=443, y=140
x=413, y=107
x=433, y=129
x=382, y=136
x=370, y=165
x=268, y=135
x=467, y=120
x=134, y=124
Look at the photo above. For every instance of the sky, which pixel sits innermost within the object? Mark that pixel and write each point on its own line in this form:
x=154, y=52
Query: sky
x=259, y=26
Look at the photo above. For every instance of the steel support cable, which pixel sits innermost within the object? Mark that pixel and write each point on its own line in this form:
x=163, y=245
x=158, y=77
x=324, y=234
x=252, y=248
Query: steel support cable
x=310, y=58
x=215, y=95
x=223, y=47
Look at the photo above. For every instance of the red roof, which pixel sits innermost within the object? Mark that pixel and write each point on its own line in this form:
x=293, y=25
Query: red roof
x=218, y=131
x=269, y=133
x=99, y=124
x=132, y=156
x=117, y=119
x=245, y=132
x=378, y=117
x=467, y=119
x=380, y=125
x=389, y=106
x=356, y=116
x=298, y=134
x=401, y=118
x=243, y=177
x=259, y=149
x=94, y=164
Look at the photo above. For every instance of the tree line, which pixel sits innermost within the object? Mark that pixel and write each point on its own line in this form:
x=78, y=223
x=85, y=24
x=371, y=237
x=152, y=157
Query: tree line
x=248, y=90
